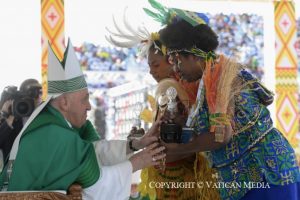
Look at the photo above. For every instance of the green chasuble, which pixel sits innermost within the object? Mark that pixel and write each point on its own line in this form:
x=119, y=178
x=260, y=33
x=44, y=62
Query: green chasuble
x=52, y=155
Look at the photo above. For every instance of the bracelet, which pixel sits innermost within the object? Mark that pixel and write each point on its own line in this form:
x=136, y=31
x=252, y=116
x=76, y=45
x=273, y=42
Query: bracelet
x=131, y=147
x=4, y=114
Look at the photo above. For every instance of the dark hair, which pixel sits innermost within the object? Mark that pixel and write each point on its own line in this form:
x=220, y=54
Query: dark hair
x=154, y=48
x=29, y=84
x=156, y=43
x=182, y=35
x=6, y=94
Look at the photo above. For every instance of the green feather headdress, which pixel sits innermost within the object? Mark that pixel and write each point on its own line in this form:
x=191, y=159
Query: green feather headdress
x=169, y=15
x=172, y=15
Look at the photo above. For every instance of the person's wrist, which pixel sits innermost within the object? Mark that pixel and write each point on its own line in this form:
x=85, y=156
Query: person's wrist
x=134, y=163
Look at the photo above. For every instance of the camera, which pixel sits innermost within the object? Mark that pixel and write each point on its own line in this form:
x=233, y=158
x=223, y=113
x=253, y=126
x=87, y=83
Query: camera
x=170, y=132
x=23, y=102
x=174, y=133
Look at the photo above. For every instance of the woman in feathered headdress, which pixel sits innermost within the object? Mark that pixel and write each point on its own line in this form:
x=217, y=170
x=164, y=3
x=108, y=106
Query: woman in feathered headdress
x=181, y=170
x=253, y=159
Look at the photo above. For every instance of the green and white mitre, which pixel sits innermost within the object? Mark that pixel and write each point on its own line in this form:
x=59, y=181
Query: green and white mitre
x=63, y=77
x=66, y=75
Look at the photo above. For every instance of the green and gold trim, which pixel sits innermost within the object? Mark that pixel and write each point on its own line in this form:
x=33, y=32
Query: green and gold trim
x=196, y=51
x=219, y=119
x=167, y=16
x=188, y=16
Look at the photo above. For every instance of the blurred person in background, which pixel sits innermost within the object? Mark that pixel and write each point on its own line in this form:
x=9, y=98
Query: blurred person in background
x=99, y=116
x=16, y=106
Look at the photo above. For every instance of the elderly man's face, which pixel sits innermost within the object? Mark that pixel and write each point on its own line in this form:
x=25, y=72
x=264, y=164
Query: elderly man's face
x=78, y=106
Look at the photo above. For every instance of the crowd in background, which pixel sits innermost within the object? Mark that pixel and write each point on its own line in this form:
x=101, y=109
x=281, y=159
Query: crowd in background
x=240, y=36
x=104, y=58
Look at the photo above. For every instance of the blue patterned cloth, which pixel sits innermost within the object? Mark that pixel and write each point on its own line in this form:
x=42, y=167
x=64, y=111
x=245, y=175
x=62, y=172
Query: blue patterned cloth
x=290, y=192
x=258, y=151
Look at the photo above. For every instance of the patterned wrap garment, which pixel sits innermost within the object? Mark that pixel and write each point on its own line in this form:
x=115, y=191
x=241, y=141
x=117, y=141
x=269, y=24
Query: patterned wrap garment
x=180, y=171
x=258, y=152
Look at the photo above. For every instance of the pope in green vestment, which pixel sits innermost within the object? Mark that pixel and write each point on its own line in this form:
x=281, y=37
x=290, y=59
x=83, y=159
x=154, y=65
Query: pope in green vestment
x=50, y=153
x=55, y=148
x=61, y=155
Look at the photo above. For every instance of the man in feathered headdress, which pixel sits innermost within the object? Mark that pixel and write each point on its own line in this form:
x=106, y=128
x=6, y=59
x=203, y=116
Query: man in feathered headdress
x=55, y=148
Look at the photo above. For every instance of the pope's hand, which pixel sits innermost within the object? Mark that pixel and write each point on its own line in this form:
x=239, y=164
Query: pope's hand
x=152, y=155
x=150, y=137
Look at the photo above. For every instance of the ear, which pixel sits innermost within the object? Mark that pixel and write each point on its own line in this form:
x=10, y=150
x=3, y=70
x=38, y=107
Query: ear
x=64, y=103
